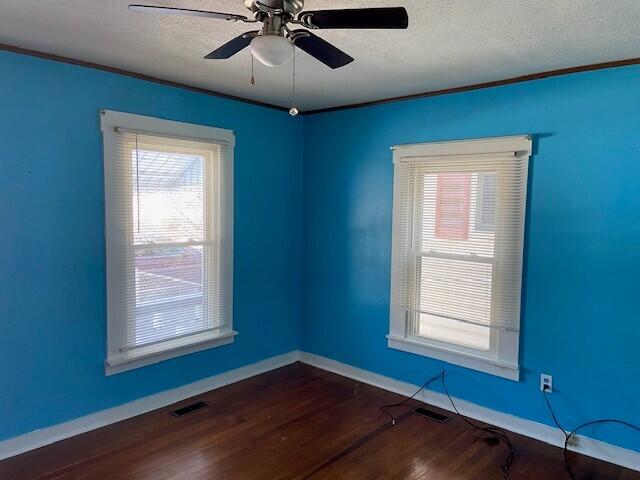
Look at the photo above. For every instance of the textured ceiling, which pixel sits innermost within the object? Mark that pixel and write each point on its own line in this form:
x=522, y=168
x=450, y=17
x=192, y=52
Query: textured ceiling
x=449, y=43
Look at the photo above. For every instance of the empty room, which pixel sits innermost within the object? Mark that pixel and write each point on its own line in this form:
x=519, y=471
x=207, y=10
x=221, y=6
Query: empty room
x=321, y=239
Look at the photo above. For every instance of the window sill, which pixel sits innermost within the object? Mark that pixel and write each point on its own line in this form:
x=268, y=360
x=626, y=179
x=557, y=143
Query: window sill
x=123, y=361
x=455, y=357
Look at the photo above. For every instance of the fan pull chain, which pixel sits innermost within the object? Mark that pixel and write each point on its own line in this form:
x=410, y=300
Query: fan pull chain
x=293, y=111
x=253, y=79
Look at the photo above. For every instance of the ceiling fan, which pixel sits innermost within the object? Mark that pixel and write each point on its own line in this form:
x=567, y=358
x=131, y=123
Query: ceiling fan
x=273, y=43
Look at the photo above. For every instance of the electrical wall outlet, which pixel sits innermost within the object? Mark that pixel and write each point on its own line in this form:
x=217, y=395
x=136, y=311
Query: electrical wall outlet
x=546, y=383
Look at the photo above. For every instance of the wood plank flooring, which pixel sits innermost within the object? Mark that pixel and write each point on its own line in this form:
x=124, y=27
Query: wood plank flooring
x=300, y=423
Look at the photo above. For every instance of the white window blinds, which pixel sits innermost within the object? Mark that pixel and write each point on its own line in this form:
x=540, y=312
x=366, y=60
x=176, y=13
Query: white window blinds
x=457, y=244
x=167, y=220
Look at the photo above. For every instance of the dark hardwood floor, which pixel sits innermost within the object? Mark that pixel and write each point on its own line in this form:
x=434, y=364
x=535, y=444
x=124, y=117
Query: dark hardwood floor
x=297, y=422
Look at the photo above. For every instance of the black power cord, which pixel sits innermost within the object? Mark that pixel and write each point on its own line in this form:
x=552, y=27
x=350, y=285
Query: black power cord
x=385, y=408
x=568, y=435
x=492, y=435
x=494, y=432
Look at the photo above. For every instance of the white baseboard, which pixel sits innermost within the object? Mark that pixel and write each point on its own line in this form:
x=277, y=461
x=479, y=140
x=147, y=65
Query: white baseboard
x=545, y=433
x=40, y=438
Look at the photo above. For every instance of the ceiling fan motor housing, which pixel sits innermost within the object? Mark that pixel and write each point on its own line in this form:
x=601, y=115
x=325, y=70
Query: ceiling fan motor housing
x=288, y=7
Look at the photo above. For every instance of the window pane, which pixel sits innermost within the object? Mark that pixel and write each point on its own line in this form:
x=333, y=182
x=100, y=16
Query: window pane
x=169, y=294
x=486, y=204
x=452, y=206
x=168, y=197
x=449, y=235
x=456, y=289
x=455, y=262
x=451, y=331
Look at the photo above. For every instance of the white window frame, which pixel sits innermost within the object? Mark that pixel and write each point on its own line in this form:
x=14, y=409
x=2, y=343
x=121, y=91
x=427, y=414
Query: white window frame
x=503, y=359
x=119, y=359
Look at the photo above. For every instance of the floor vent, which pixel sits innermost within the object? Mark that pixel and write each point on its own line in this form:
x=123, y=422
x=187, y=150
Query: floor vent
x=188, y=409
x=430, y=414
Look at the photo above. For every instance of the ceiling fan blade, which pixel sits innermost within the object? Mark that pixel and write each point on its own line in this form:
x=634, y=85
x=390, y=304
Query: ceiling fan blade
x=232, y=46
x=320, y=49
x=388, y=17
x=186, y=12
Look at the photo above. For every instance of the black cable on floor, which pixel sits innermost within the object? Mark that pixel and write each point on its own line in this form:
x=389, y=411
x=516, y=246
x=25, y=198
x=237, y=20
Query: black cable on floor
x=385, y=408
x=568, y=435
x=495, y=432
x=492, y=433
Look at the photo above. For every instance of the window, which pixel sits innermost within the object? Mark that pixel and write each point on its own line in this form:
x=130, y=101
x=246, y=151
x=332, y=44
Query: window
x=458, y=224
x=168, y=210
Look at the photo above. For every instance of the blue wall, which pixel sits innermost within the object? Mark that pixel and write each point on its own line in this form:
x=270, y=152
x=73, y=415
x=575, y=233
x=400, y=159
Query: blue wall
x=52, y=262
x=582, y=257
x=580, y=315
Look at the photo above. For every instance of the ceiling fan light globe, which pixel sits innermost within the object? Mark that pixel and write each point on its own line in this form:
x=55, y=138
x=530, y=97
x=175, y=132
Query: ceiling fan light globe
x=271, y=50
